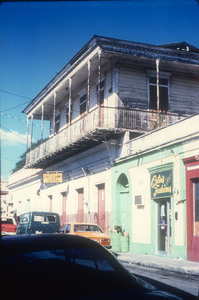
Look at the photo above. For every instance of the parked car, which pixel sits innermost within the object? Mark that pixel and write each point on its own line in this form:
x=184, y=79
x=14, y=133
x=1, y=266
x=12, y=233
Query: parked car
x=89, y=230
x=64, y=266
x=38, y=222
x=8, y=225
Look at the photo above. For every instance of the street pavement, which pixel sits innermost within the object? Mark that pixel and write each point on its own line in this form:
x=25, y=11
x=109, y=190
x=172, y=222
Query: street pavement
x=160, y=262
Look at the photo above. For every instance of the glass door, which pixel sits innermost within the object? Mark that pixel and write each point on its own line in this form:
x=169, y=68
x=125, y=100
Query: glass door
x=164, y=226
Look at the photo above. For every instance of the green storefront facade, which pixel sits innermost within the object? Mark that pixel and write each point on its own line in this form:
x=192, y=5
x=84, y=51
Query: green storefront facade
x=149, y=201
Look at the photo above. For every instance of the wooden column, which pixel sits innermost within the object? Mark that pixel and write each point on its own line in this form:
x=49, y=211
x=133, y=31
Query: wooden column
x=88, y=88
x=27, y=135
x=42, y=122
x=158, y=91
x=31, y=131
x=70, y=100
x=54, y=111
x=99, y=79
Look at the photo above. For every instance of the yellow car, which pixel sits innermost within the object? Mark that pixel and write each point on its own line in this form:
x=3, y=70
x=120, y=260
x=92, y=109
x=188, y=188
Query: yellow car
x=89, y=230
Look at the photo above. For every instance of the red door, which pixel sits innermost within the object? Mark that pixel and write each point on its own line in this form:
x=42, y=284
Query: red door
x=80, y=211
x=192, y=196
x=101, y=206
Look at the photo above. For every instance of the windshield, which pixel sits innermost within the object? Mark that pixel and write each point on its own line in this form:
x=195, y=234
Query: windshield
x=7, y=221
x=86, y=228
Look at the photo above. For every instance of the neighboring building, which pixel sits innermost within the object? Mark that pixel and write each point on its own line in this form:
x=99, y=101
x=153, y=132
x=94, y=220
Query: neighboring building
x=24, y=186
x=150, y=198
x=192, y=196
x=111, y=91
x=4, y=197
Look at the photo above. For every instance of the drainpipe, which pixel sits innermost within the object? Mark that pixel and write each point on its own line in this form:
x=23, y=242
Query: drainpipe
x=158, y=91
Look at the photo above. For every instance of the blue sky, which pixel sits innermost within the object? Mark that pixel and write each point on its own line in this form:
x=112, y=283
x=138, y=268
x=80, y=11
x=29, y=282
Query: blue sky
x=38, y=38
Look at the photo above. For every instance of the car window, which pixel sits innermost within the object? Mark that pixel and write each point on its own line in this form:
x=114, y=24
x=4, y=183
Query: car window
x=6, y=221
x=68, y=228
x=86, y=257
x=24, y=219
x=90, y=258
x=33, y=257
x=63, y=229
x=38, y=218
x=81, y=256
x=51, y=218
x=86, y=228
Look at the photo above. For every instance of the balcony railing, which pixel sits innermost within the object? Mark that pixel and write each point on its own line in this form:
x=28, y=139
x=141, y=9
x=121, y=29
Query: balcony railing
x=105, y=119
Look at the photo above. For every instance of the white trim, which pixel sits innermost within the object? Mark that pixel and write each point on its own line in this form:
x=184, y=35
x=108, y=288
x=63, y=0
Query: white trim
x=190, y=168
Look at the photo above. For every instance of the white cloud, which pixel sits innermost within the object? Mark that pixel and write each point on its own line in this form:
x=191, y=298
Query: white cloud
x=12, y=138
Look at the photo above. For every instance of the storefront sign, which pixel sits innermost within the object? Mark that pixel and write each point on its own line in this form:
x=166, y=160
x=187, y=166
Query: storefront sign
x=52, y=178
x=161, y=184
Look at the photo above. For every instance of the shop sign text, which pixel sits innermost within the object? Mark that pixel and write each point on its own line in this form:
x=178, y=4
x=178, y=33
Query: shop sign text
x=161, y=184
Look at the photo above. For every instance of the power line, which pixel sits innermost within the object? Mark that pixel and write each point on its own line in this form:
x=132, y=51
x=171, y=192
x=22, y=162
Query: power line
x=8, y=159
x=11, y=93
x=24, y=121
x=14, y=107
x=3, y=127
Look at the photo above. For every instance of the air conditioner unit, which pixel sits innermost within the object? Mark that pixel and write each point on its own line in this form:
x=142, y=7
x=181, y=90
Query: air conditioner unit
x=138, y=200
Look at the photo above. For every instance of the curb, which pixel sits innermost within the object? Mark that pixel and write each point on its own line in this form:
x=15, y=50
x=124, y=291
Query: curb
x=174, y=265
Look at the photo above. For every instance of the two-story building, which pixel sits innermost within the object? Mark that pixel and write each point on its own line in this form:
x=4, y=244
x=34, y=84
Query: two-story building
x=110, y=92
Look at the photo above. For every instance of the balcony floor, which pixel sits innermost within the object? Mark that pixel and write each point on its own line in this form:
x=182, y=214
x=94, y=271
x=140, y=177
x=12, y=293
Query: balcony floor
x=94, y=128
x=86, y=142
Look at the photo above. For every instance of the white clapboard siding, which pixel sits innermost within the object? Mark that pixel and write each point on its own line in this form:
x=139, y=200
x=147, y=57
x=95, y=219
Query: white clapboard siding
x=184, y=94
x=133, y=88
x=62, y=116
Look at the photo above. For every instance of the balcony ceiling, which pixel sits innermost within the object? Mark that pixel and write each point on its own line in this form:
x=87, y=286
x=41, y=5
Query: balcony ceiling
x=63, y=92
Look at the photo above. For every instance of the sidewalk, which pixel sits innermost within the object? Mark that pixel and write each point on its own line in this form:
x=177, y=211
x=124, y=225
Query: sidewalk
x=160, y=262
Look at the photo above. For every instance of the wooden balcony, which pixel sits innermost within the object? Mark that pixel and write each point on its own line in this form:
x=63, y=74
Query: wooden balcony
x=98, y=125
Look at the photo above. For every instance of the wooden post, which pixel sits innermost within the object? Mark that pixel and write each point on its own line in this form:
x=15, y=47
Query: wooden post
x=42, y=122
x=88, y=88
x=158, y=91
x=27, y=135
x=99, y=87
x=69, y=101
x=99, y=79
x=54, y=111
x=31, y=131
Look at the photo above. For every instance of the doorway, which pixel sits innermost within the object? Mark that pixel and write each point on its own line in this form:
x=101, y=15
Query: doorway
x=101, y=205
x=80, y=211
x=63, y=215
x=123, y=202
x=164, y=233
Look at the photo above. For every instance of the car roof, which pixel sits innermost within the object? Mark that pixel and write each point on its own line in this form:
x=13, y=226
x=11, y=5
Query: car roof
x=39, y=242
x=39, y=212
x=81, y=223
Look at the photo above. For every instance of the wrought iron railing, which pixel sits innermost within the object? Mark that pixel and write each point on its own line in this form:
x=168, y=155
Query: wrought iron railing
x=105, y=118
